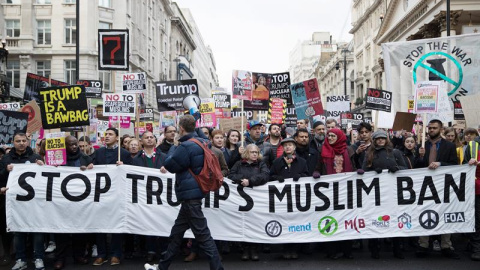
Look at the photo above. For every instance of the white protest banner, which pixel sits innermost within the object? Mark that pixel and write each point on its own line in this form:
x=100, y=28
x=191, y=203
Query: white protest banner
x=14, y=106
x=336, y=207
x=119, y=105
x=336, y=105
x=134, y=83
x=451, y=59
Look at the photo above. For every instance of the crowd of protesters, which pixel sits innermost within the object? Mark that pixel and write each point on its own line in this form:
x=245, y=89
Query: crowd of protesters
x=263, y=153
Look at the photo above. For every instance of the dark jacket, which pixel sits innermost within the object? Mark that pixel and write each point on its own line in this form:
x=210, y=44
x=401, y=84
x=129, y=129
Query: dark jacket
x=181, y=158
x=164, y=147
x=104, y=156
x=78, y=159
x=257, y=173
x=140, y=159
x=298, y=168
x=410, y=158
x=357, y=159
x=312, y=157
x=383, y=159
x=13, y=158
x=231, y=156
x=221, y=159
x=446, y=154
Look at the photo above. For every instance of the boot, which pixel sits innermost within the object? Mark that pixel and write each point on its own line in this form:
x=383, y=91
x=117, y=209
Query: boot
x=246, y=253
x=254, y=254
x=191, y=257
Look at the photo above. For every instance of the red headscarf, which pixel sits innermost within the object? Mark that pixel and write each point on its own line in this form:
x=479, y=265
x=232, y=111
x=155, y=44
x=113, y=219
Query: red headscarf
x=331, y=150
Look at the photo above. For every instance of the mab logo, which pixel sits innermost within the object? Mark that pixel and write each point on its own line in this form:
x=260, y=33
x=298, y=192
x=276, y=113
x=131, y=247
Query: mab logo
x=355, y=224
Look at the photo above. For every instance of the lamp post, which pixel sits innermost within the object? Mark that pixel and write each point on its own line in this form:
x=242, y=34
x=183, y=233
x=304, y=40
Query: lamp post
x=337, y=67
x=4, y=85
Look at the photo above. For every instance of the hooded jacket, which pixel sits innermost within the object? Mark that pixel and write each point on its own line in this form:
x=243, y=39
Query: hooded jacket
x=14, y=158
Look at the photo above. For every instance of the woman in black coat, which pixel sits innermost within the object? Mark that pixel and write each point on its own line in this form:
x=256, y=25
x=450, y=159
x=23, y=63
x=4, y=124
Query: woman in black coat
x=250, y=171
x=409, y=153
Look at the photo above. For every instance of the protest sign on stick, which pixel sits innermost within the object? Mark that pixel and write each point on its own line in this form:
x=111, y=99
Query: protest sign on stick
x=276, y=111
x=307, y=100
x=170, y=94
x=134, y=83
x=55, y=151
x=93, y=88
x=426, y=101
x=10, y=124
x=113, y=49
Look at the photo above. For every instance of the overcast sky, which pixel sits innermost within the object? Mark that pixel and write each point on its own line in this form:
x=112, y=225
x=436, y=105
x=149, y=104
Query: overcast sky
x=258, y=35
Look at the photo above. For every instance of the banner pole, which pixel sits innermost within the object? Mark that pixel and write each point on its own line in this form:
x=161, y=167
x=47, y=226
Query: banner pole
x=376, y=120
x=241, y=116
x=137, y=115
x=114, y=75
x=424, y=117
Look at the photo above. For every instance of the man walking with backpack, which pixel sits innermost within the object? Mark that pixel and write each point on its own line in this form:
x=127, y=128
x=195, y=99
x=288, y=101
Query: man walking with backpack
x=183, y=160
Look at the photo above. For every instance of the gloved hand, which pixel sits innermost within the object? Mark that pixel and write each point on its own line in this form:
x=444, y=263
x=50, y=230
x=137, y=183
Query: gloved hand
x=393, y=169
x=316, y=175
x=296, y=177
x=278, y=178
x=237, y=182
x=360, y=171
x=378, y=170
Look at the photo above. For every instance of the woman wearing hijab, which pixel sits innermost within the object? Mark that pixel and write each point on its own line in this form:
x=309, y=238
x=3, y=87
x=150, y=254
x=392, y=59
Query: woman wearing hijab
x=336, y=160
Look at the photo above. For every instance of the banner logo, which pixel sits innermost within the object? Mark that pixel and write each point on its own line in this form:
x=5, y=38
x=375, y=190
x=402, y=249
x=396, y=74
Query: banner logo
x=405, y=220
x=429, y=219
x=355, y=224
x=454, y=217
x=382, y=221
x=273, y=228
x=327, y=226
x=300, y=228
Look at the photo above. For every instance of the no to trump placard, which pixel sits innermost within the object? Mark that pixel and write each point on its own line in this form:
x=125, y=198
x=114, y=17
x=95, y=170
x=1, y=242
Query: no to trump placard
x=336, y=207
x=64, y=106
x=119, y=105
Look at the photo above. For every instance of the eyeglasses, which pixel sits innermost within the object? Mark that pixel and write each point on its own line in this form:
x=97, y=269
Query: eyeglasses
x=254, y=152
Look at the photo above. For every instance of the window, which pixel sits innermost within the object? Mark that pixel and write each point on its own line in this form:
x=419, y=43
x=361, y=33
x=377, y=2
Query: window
x=44, y=68
x=43, y=2
x=69, y=1
x=44, y=32
x=13, y=72
x=70, y=76
x=105, y=77
x=13, y=28
x=104, y=25
x=70, y=31
x=104, y=3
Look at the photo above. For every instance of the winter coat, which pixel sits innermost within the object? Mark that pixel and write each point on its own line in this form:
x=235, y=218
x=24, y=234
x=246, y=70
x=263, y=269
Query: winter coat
x=231, y=156
x=140, y=159
x=164, y=147
x=298, y=168
x=78, y=159
x=13, y=158
x=383, y=159
x=187, y=155
x=410, y=158
x=446, y=154
x=105, y=156
x=312, y=157
x=257, y=173
x=221, y=159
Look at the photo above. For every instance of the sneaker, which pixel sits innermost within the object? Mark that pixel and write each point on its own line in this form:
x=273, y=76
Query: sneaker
x=151, y=266
x=114, y=261
x=436, y=246
x=51, y=247
x=450, y=253
x=94, y=251
x=99, y=261
x=20, y=265
x=39, y=264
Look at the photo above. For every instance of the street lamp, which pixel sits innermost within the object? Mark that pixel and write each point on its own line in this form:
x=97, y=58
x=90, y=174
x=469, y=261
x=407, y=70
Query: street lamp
x=4, y=84
x=345, y=51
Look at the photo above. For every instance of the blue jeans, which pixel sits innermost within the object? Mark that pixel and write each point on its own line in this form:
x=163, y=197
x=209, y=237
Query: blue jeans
x=191, y=217
x=21, y=245
x=115, y=245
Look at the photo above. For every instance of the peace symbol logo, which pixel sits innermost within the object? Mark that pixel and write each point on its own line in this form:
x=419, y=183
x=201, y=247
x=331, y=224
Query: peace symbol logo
x=273, y=228
x=438, y=71
x=429, y=219
x=327, y=225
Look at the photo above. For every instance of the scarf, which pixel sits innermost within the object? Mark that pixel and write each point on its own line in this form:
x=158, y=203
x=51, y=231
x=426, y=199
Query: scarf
x=433, y=150
x=329, y=151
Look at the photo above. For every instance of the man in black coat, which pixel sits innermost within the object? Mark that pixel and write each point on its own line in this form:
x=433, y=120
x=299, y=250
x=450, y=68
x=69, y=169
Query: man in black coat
x=308, y=153
x=437, y=152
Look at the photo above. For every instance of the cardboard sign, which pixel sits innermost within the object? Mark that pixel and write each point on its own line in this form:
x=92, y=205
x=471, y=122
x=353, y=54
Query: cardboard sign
x=222, y=101
x=55, y=151
x=168, y=119
x=351, y=119
x=114, y=120
x=113, y=49
x=64, y=106
x=379, y=100
x=15, y=106
x=33, y=84
x=306, y=97
x=119, y=105
x=228, y=124
x=93, y=88
x=336, y=105
x=426, y=97
x=170, y=94
x=34, y=116
x=470, y=110
x=10, y=124
x=276, y=111
x=242, y=84
x=403, y=121
x=134, y=83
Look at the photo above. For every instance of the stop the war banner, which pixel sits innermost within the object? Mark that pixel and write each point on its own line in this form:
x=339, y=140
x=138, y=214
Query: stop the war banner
x=336, y=207
x=306, y=97
x=64, y=106
x=10, y=124
x=170, y=94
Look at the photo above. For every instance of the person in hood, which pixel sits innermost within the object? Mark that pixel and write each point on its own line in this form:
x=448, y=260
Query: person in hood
x=21, y=153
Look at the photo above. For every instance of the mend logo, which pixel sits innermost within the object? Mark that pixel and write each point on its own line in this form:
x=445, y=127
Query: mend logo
x=300, y=228
x=382, y=222
x=355, y=224
x=456, y=217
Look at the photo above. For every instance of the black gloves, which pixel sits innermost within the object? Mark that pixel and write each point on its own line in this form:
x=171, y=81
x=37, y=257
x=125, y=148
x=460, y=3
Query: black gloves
x=296, y=177
x=316, y=175
x=360, y=171
x=393, y=169
x=237, y=182
x=378, y=170
x=278, y=178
